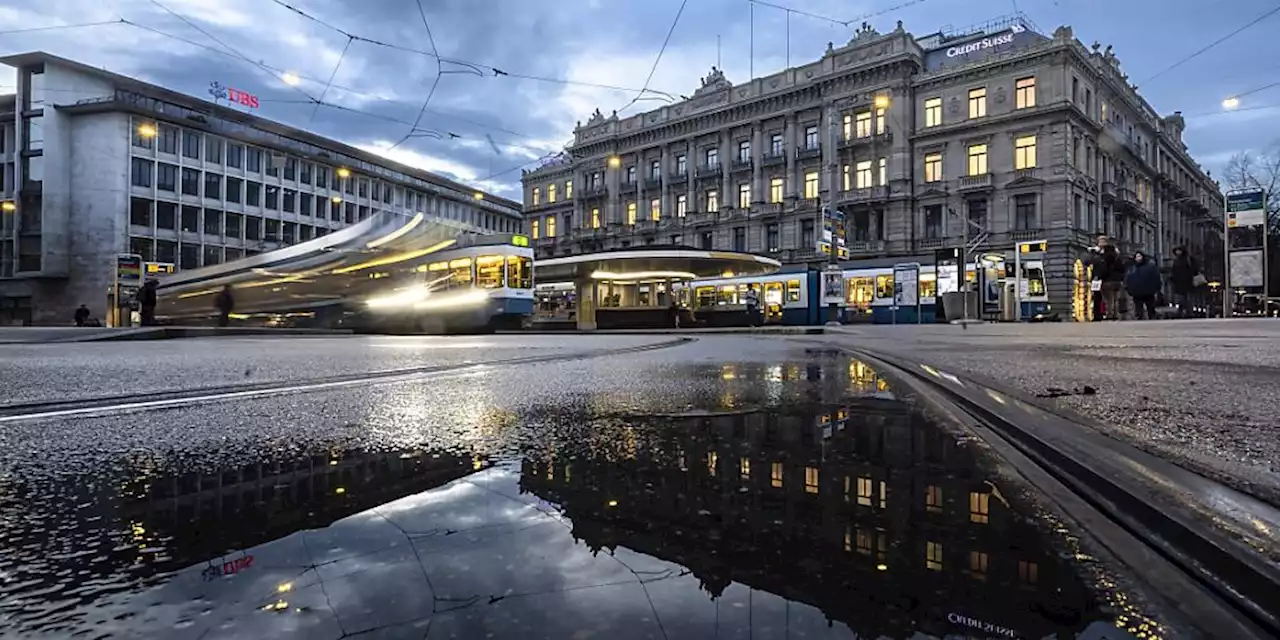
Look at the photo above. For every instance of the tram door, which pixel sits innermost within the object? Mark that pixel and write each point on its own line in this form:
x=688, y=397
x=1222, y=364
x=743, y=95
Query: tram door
x=860, y=294
x=772, y=302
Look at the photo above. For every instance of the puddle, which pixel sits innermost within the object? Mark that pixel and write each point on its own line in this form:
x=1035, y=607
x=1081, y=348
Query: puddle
x=798, y=499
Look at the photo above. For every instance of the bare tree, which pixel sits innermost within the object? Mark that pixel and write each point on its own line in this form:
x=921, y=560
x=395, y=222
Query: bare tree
x=1258, y=170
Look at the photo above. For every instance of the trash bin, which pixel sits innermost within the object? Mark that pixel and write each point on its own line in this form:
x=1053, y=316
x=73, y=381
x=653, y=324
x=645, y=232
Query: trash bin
x=953, y=305
x=1008, y=302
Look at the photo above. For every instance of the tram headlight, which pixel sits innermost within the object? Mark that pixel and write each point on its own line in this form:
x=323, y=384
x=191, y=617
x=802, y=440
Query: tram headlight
x=402, y=298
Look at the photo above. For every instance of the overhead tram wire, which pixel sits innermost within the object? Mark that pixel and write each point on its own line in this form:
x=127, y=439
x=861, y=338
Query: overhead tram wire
x=80, y=25
x=1211, y=45
x=434, y=83
x=658, y=59
x=329, y=83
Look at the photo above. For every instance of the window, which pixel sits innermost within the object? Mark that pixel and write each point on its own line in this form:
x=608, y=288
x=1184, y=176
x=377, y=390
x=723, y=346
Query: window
x=979, y=507
x=290, y=201
x=933, y=167
x=235, y=155
x=978, y=212
x=1024, y=152
x=1028, y=572
x=744, y=196
x=191, y=144
x=167, y=140
x=811, y=184
x=190, y=182
x=744, y=151
x=212, y=186
x=713, y=158
x=143, y=141
x=290, y=168
x=140, y=172
x=862, y=178
x=631, y=175
x=253, y=159
x=167, y=214
x=1075, y=89
x=631, y=213
x=933, y=499
x=705, y=240
x=880, y=121
x=568, y=189
x=775, y=190
x=140, y=212
x=253, y=194
x=933, y=112
x=233, y=189
x=190, y=221
x=595, y=218
x=1024, y=211
x=846, y=129
x=744, y=468
x=713, y=200
x=234, y=221
x=273, y=163
x=811, y=479
x=271, y=230
x=655, y=209
x=306, y=204
x=537, y=196
x=189, y=256
x=884, y=286
x=811, y=137
x=533, y=229
x=551, y=193
x=862, y=127
x=978, y=102
x=775, y=475
x=212, y=150
x=775, y=144
x=1024, y=93
x=272, y=199
x=771, y=237
x=212, y=222
x=140, y=246
x=252, y=228
x=682, y=166
x=884, y=171
x=977, y=159
x=933, y=556
x=166, y=176
x=806, y=234
x=864, y=491
x=166, y=251
x=349, y=212
x=322, y=177
x=212, y=255
x=551, y=226
x=682, y=205
x=933, y=221
x=846, y=177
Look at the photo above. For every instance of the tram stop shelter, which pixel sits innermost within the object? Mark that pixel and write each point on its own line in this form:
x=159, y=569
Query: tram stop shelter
x=633, y=288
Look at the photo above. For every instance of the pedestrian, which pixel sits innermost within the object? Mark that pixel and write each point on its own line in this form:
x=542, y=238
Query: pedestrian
x=1108, y=270
x=82, y=315
x=673, y=311
x=1143, y=283
x=225, y=303
x=753, y=305
x=1183, y=275
x=147, y=302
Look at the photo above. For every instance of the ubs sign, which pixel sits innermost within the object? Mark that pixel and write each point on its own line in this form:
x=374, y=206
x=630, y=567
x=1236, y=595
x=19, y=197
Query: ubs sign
x=1013, y=37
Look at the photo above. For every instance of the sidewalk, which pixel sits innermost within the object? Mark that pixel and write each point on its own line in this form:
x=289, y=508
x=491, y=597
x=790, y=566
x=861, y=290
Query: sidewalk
x=44, y=335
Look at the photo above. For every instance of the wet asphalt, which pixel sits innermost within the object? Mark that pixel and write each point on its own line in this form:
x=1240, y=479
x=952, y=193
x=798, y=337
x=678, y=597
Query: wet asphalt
x=726, y=487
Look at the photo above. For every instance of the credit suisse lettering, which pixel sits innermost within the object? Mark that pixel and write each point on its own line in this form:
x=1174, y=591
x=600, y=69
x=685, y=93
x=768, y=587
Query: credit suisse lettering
x=986, y=43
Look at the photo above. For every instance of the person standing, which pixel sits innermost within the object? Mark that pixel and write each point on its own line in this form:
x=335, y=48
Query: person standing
x=225, y=304
x=82, y=315
x=1182, y=276
x=1108, y=267
x=1143, y=283
x=147, y=302
x=753, y=305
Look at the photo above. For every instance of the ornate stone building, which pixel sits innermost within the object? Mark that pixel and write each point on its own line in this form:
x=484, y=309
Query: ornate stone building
x=1027, y=137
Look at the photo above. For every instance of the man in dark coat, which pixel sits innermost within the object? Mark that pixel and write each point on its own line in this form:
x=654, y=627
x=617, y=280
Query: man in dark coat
x=1182, y=276
x=1143, y=283
x=147, y=302
x=1108, y=267
x=225, y=303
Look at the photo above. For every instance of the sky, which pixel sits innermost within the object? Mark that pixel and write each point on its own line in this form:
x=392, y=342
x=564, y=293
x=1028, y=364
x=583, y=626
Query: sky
x=483, y=128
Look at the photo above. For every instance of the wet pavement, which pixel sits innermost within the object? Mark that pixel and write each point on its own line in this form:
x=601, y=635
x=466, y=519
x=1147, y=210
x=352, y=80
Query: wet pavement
x=732, y=487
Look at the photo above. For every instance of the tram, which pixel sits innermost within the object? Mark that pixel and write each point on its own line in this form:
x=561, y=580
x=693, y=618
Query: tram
x=389, y=273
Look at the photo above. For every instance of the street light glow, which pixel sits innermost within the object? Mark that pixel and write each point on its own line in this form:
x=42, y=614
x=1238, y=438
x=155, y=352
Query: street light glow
x=147, y=130
x=615, y=162
x=344, y=172
x=881, y=102
x=290, y=78
x=337, y=199
x=1231, y=103
x=8, y=206
x=479, y=196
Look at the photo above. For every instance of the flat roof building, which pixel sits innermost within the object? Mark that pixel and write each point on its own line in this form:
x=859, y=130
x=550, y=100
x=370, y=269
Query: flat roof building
x=94, y=164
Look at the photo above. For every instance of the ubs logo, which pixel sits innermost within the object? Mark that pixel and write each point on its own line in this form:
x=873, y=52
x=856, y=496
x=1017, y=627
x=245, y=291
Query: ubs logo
x=230, y=567
x=220, y=91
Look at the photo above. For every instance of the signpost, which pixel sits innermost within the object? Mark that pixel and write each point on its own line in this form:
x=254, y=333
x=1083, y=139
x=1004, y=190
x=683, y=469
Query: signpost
x=1034, y=249
x=948, y=265
x=906, y=288
x=832, y=290
x=127, y=281
x=1246, y=244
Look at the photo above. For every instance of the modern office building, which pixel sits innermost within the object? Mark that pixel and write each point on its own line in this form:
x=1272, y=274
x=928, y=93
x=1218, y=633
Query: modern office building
x=1025, y=136
x=94, y=164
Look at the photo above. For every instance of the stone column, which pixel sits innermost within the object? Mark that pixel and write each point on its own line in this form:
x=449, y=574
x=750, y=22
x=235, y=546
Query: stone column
x=790, y=147
x=757, y=157
x=668, y=200
x=690, y=167
x=726, y=180
x=613, y=181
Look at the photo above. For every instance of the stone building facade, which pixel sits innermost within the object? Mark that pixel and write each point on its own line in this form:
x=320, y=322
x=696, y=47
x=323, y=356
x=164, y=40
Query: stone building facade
x=1026, y=136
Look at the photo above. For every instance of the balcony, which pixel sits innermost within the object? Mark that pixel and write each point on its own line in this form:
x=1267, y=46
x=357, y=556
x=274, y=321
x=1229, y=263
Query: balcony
x=974, y=183
x=864, y=247
x=810, y=254
x=809, y=151
x=1027, y=235
x=864, y=195
x=592, y=192
x=1108, y=191
x=766, y=209
x=653, y=183
x=699, y=218
x=774, y=158
x=1030, y=173
x=628, y=186
x=1127, y=201
x=646, y=226
x=708, y=170
x=740, y=165
x=882, y=138
x=928, y=244
x=678, y=177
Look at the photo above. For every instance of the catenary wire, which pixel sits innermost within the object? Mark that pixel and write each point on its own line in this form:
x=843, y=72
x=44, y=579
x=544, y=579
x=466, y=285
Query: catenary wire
x=1211, y=45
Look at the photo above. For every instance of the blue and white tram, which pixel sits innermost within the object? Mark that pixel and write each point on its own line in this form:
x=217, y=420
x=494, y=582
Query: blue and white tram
x=787, y=297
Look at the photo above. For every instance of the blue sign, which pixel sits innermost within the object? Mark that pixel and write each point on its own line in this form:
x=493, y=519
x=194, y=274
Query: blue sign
x=976, y=48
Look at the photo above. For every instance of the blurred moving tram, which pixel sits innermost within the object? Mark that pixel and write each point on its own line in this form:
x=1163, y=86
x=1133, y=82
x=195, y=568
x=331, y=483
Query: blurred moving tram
x=389, y=273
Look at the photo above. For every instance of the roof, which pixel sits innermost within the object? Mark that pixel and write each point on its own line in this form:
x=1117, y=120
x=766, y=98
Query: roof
x=677, y=263
x=125, y=82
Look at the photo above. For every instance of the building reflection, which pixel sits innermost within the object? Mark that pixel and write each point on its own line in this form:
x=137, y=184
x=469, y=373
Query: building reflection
x=863, y=509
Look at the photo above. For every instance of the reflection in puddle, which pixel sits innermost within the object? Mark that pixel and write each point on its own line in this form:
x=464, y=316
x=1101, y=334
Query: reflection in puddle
x=834, y=510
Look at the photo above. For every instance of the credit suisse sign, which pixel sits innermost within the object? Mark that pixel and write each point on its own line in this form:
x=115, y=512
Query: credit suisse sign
x=1015, y=37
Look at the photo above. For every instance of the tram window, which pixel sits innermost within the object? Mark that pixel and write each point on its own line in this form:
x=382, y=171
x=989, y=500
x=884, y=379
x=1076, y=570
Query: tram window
x=1035, y=280
x=459, y=273
x=928, y=285
x=859, y=291
x=519, y=272
x=489, y=272
x=728, y=294
x=884, y=286
x=793, y=291
x=706, y=296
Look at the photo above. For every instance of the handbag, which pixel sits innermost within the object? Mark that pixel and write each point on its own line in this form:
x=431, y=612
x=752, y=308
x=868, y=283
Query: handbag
x=1199, y=280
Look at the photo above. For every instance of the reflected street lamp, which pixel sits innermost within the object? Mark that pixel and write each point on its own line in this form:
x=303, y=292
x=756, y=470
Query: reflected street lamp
x=1231, y=103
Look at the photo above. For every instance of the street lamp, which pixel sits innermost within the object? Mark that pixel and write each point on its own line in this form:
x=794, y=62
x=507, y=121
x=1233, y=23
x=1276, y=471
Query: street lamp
x=479, y=196
x=147, y=130
x=344, y=172
x=1231, y=103
x=337, y=199
x=290, y=78
x=614, y=162
x=8, y=206
x=881, y=101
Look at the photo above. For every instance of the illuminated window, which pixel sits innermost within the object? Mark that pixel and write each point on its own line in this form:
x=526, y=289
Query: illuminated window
x=978, y=102
x=884, y=171
x=568, y=475
x=977, y=159
x=537, y=196
x=489, y=272
x=631, y=213
x=534, y=229
x=933, y=556
x=713, y=200
x=744, y=196
x=933, y=112
x=551, y=226
x=1024, y=152
x=1028, y=572
x=864, y=491
x=551, y=193
x=979, y=507
x=862, y=124
x=793, y=291
x=933, y=167
x=595, y=218
x=862, y=178
x=568, y=189
x=978, y=564
x=848, y=538
x=884, y=286
x=655, y=209
x=711, y=462
x=682, y=205
x=933, y=499
x=811, y=184
x=846, y=177
x=847, y=129
x=744, y=468
x=1024, y=93
x=880, y=121
x=460, y=272
x=775, y=474
x=775, y=190
x=684, y=465
x=811, y=479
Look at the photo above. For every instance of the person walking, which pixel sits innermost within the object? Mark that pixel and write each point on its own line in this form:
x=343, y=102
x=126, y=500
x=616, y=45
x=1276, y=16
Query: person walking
x=1183, y=276
x=753, y=305
x=225, y=304
x=147, y=302
x=1108, y=268
x=81, y=316
x=1143, y=283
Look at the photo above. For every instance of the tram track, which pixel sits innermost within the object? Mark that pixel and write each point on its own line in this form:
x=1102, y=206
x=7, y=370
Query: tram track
x=1197, y=544
x=98, y=405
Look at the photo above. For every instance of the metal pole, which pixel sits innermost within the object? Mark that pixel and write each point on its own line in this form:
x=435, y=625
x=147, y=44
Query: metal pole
x=1017, y=281
x=964, y=269
x=833, y=311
